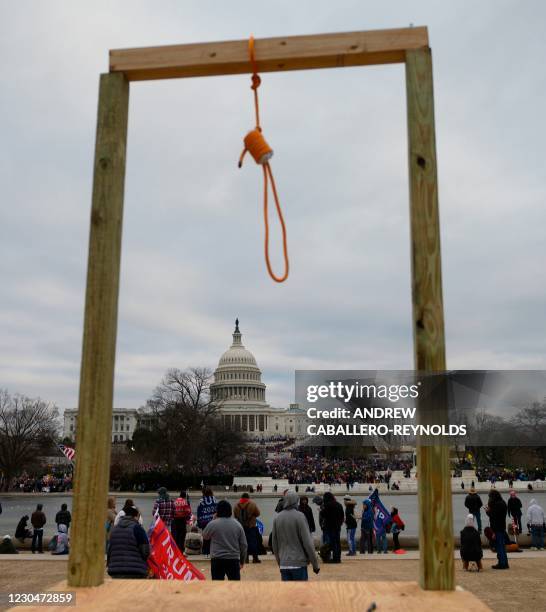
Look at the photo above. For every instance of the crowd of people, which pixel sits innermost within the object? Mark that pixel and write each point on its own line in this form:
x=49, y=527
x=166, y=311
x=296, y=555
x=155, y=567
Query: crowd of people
x=231, y=535
x=307, y=470
x=296, y=467
x=499, y=512
x=58, y=544
x=46, y=483
x=495, y=474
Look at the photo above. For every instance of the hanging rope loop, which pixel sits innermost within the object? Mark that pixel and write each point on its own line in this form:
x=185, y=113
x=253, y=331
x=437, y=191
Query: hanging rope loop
x=256, y=145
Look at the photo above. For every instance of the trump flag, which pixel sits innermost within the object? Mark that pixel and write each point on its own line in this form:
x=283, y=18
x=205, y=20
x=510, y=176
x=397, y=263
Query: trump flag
x=166, y=561
x=382, y=517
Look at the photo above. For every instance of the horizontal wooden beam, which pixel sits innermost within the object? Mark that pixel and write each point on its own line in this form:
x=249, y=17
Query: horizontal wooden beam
x=272, y=54
x=267, y=596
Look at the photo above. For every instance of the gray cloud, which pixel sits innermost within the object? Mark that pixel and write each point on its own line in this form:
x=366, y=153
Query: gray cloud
x=192, y=251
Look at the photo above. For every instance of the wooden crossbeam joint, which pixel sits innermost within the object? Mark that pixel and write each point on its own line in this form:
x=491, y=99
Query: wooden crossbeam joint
x=335, y=50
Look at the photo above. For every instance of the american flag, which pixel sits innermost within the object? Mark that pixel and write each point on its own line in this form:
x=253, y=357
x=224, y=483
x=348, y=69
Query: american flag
x=67, y=451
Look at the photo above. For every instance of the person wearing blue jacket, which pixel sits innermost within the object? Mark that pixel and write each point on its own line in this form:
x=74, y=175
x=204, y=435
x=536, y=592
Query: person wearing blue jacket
x=205, y=513
x=366, y=528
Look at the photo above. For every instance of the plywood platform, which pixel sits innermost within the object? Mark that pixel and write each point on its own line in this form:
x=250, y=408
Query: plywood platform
x=146, y=595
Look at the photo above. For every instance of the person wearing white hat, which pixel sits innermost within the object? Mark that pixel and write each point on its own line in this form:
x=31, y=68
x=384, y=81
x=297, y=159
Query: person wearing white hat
x=471, y=546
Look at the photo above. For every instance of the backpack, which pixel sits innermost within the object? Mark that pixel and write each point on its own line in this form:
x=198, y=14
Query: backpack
x=182, y=509
x=243, y=517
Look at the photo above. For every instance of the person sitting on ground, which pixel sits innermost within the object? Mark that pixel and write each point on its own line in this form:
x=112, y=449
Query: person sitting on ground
x=62, y=541
x=292, y=542
x=22, y=531
x=471, y=545
x=7, y=547
x=194, y=542
x=128, y=547
x=228, y=544
x=63, y=517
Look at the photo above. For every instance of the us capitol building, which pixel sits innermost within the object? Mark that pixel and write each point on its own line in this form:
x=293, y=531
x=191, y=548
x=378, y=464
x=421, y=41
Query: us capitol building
x=237, y=390
x=240, y=394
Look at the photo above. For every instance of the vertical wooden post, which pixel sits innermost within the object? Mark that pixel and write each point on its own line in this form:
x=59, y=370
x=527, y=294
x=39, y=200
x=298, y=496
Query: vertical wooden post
x=94, y=426
x=434, y=479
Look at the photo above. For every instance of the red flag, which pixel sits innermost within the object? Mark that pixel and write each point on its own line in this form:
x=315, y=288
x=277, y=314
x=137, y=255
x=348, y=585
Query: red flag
x=165, y=560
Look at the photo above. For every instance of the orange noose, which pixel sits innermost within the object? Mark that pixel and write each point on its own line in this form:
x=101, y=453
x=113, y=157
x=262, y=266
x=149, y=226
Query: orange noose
x=256, y=145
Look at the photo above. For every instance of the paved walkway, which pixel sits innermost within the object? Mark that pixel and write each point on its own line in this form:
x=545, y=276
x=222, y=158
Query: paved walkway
x=410, y=555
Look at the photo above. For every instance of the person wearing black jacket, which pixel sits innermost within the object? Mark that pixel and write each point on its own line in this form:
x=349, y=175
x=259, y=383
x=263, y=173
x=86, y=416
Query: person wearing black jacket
x=63, y=517
x=332, y=518
x=496, y=510
x=128, y=547
x=514, y=509
x=308, y=512
x=473, y=503
x=351, y=524
x=471, y=545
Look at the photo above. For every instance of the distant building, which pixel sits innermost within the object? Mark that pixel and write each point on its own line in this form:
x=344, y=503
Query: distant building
x=124, y=423
x=240, y=394
x=237, y=390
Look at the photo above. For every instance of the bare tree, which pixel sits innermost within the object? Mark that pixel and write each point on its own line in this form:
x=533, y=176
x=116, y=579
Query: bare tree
x=28, y=427
x=531, y=422
x=186, y=431
x=222, y=445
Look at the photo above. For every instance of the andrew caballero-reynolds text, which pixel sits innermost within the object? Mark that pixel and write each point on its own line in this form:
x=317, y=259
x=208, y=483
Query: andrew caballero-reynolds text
x=391, y=393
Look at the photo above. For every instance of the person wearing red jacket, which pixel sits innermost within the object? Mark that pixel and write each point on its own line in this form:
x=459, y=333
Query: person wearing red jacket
x=182, y=514
x=397, y=526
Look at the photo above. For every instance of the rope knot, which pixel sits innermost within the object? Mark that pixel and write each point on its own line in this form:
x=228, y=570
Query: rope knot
x=256, y=145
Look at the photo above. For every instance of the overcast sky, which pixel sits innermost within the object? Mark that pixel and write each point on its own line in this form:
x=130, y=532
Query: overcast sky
x=192, y=241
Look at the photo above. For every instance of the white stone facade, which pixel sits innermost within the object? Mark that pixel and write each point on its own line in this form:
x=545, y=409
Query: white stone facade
x=240, y=393
x=124, y=423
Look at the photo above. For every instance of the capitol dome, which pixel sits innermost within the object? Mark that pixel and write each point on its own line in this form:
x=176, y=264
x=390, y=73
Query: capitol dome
x=238, y=377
